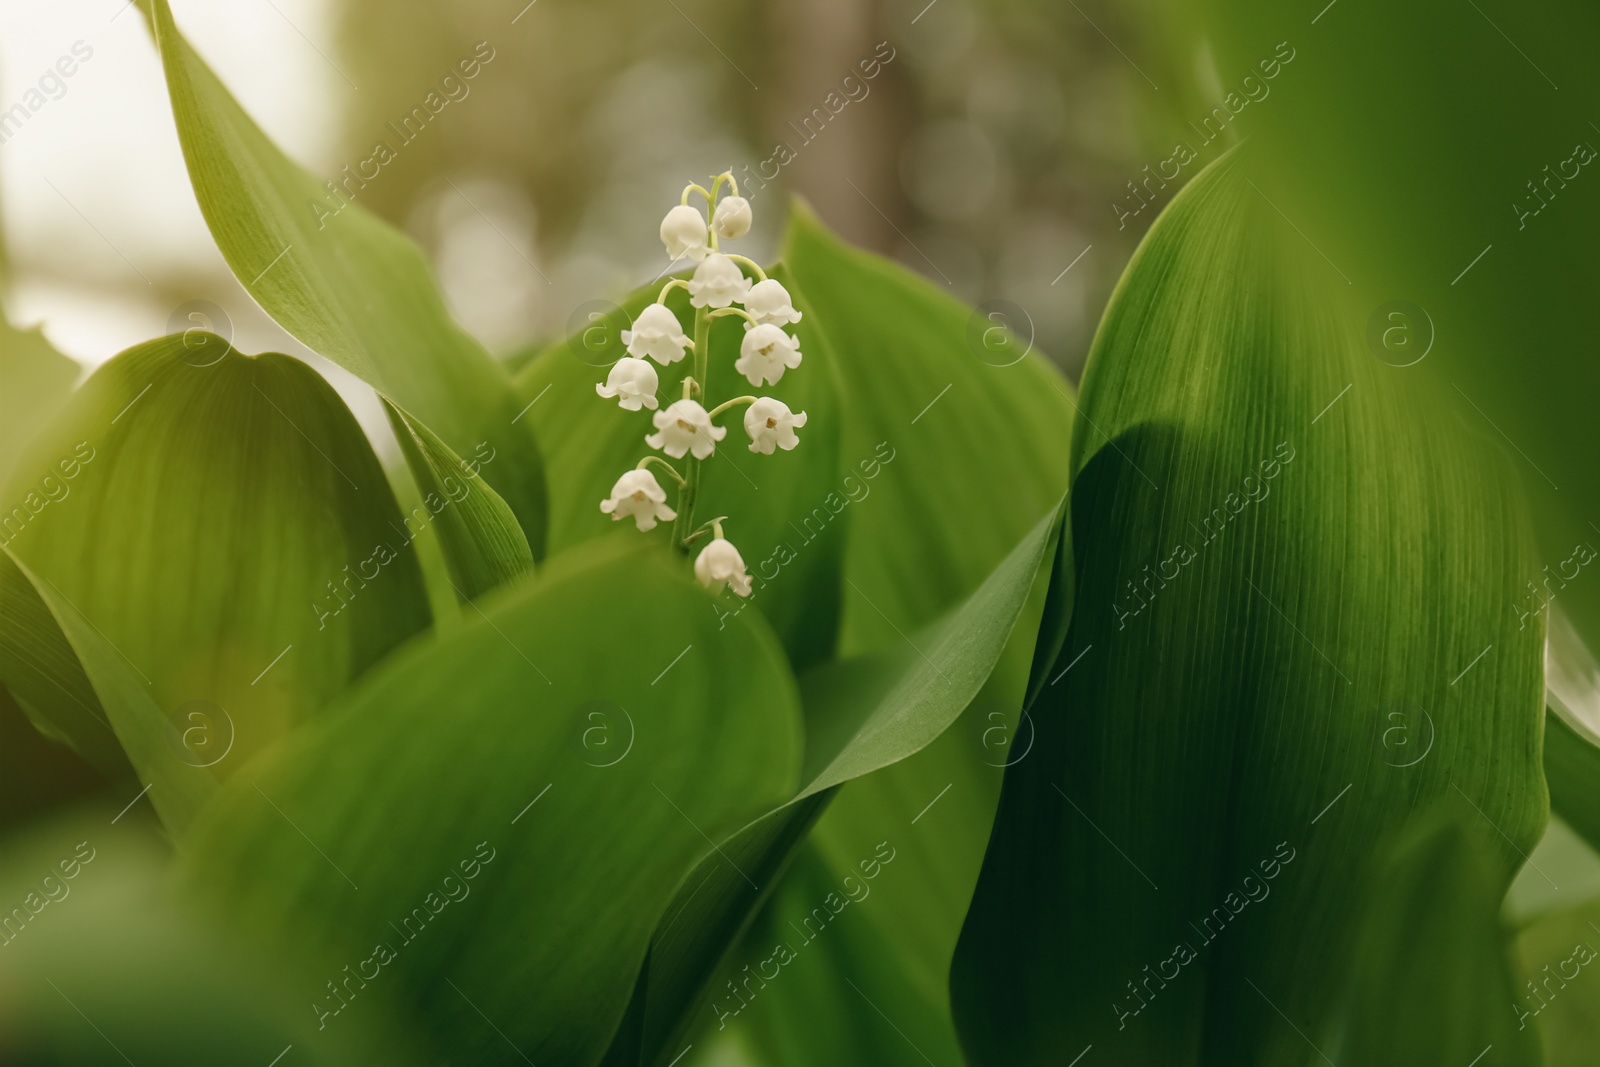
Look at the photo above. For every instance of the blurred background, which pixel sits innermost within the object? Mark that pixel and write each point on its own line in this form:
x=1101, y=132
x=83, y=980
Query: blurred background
x=979, y=144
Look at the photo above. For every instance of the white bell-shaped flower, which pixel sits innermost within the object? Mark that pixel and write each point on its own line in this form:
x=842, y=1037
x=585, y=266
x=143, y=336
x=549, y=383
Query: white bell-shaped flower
x=770, y=424
x=685, y=426
x=719, y=564
x=764, y=354
x=768, y=302
x=658, y=334
x=638, y=495
x=683, y=231
x=717, y=282
x=732, y=217
x=633, y=382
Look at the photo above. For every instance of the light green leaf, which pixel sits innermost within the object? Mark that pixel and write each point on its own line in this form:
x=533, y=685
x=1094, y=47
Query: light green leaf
x=483, y=545
x=149, y=742
x=862, y=715
x=35, y=381
x=111, y=970
x=226, y=530
x=576, y=745
x=1290, y=630
x=344, y=281
x=1432, y=982
x=1560, y=993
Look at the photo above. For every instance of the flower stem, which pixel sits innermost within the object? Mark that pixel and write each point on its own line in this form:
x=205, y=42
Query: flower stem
x=752, y=264
x=690, y=488
x=663, y=464
x=720, y=313
x=726, y=404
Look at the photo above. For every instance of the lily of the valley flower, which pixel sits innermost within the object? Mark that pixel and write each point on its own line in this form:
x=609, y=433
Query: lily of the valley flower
x=717, y=282
x=768, y=302
x=685, y=426
x=732, y=217
x=770, y=423
x=683, y=231
x=658, y=334
x=638, y=495
x=764, y=354
x=719, y=564
x=633, y=382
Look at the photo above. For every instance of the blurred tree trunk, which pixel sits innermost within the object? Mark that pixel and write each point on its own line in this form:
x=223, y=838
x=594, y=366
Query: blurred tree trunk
x=816, y=44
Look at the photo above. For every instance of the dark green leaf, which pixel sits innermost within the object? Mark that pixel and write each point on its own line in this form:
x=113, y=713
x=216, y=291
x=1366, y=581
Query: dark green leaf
x=1290, y=629
x=1432, y=982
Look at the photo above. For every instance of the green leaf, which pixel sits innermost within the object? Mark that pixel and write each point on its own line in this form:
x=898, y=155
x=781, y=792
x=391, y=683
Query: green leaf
x=483, y=545
x=1432, y=982
x=1293, y=571
x=149, y=742
x=972, y=453
x=342, y=280
x=1491, y=261
x=862, y=715
x=35, y=381
x=228, y=534
x=1560, y=996
x=101, y=966
x=576, y=745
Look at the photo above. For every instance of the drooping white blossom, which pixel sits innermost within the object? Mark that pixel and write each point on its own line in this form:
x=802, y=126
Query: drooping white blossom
x=684, y=233
x=732, y=217
x=658, y=334
x=633, y=382
x=685, y=426
x=717, y=282
x=764, y=354
x=770, y=423
x=638, y=495
x=718, y=565
x=769, y=302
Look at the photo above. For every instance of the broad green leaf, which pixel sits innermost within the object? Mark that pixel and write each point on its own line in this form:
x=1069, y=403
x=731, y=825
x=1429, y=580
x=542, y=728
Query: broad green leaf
x=862, y=715
x=536, y=783
x=35, y=380
x=812, y=982
x=1432, y=982
x=788, y=512
x=150, y=744
x=41, y=670
x=483, y=545
x=1495, y=262
x=971, y=453
x=1560, y=993
x=228, y=534
x=342, y=280
x=101, y=966
x=1290, y=631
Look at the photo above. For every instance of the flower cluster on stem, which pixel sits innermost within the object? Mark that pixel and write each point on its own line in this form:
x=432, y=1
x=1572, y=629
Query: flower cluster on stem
x=686, y=429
